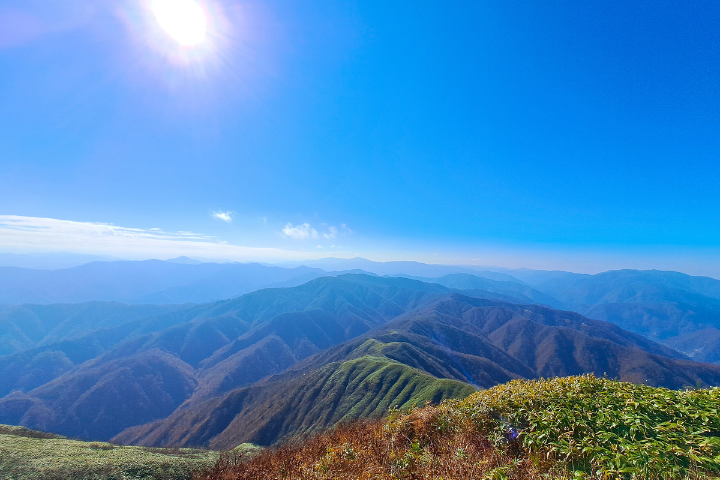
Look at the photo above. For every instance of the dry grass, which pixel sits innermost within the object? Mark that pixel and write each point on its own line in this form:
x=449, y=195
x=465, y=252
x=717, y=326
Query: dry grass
x=565, y=428
x=412, y=446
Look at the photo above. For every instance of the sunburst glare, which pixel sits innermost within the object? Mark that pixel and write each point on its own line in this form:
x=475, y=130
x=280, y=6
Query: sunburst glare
x=183, y=20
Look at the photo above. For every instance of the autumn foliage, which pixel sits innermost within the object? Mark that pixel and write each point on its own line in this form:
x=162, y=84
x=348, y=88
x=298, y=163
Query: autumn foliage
x=566, y=428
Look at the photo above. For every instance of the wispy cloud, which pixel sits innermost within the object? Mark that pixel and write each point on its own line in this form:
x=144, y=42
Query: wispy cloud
x=300, y=232
x=33, y=234
x=331, y=233
x=224, y=216
x=305, y=231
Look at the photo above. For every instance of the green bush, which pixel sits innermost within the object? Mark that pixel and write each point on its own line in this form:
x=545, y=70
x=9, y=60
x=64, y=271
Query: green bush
x=598, y=427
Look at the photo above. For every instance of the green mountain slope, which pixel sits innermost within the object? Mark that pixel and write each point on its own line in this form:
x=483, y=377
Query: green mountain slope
x=223, y=345
x=483, y=343
x=566, y=428
x=362, y=388
x=94, y=387
x=460, y=338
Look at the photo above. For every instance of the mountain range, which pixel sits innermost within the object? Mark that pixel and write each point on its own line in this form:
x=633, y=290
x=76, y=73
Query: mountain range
x=145, y=282
x=280, y=362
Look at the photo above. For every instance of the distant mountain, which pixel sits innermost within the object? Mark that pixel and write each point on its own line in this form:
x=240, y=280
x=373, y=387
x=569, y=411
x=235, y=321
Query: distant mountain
x=23, y=327
x=620, y=286
x=701, y=345
x=544, y=280
x=264, y=357
x=517, y=291
x=103, y=397
x=668, y=307
x=151, y=281
x=187, y=261
x=407, y=268
x=49, y=261
x=224, y=344
x=464, y=339
x=467, y=339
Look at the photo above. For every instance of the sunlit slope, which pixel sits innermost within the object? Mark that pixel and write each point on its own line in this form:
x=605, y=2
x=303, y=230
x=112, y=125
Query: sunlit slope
x=216, y=347
x=485, y=343
x=366, y=387
x=566, y=428
x=96, y=386
x=471, y=340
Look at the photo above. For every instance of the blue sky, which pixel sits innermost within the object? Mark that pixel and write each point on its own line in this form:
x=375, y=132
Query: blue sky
x=562, y=134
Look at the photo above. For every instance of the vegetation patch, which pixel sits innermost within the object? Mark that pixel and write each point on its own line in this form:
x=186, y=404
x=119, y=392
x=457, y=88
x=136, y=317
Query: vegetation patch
x=566, y=428
x=600, y=427
x=26, y=454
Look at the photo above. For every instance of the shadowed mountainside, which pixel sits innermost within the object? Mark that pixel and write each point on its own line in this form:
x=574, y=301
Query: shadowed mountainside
x=222, y=345
x=23, y=327
x=141, y=371
x=471, y=340
x=365, y=387
x=668, y=307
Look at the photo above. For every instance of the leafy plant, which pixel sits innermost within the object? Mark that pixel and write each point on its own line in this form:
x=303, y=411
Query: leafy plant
x=574, y=428
x=601, y=427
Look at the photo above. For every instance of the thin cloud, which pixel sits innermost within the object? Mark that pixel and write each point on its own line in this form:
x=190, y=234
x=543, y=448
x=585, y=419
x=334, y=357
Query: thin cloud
x=34, y=234
x=300, y=232
x=331, y=233
x=224, y=216
x=305, y=231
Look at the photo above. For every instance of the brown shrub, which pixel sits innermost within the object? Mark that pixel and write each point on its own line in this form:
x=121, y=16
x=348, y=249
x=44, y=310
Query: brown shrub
x=413, y=446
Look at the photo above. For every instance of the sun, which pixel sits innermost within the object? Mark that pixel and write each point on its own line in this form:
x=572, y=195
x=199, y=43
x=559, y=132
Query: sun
x=183, y=20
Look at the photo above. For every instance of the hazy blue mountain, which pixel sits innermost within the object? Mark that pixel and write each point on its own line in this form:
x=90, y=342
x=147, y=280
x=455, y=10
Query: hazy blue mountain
x=468, y=340
x=335, y=309
x=515, y=291
x=24, y=327
x=702, y=345
x=544, y=280
x=102, y=398
x=618, y=286
x=407, y=268
x=49, y=260
x=188, y=261
x=139, y=371
x=150, y=281
x=224, y=344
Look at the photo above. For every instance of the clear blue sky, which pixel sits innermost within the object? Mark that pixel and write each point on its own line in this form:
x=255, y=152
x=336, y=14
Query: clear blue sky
x=450, y=128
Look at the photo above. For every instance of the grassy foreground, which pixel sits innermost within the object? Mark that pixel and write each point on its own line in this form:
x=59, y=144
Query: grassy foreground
x=566, y=428
x=27, y=454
